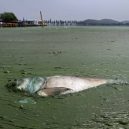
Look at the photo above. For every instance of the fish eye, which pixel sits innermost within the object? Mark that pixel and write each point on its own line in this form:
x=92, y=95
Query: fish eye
x=19, y=82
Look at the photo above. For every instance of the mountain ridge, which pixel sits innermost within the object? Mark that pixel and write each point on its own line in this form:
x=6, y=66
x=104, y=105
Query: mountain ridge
x=103, y=22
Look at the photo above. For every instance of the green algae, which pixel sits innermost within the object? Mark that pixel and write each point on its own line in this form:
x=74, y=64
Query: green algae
x=81, y=51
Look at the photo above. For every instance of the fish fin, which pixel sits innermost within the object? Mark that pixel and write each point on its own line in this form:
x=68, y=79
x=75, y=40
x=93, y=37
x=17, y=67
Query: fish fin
x=52, y=91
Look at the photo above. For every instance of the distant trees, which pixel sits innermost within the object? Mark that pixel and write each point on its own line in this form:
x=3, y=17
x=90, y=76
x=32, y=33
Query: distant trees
x=8, y=17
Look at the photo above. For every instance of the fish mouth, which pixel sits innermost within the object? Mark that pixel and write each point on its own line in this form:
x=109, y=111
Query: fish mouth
x=12, y=85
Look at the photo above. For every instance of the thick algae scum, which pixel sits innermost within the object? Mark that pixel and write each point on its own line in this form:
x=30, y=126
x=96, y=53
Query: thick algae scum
x=81, y=51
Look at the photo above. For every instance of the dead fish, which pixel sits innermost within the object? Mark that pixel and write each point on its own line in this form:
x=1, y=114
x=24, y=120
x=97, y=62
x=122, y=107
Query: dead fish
x=59, y=85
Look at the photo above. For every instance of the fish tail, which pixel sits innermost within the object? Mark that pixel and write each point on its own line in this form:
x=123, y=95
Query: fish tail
x=117, y=81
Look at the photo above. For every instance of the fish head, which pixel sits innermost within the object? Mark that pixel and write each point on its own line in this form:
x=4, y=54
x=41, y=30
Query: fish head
x=16, y=84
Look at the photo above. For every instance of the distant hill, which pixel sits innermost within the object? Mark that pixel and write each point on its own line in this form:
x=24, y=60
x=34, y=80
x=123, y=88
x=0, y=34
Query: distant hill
x=108, y=22
x=125, y=22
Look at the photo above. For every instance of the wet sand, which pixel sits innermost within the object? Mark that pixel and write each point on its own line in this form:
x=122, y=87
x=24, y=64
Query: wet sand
x=101, y=52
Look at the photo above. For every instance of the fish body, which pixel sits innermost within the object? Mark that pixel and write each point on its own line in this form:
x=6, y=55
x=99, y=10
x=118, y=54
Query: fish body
x=60, y=85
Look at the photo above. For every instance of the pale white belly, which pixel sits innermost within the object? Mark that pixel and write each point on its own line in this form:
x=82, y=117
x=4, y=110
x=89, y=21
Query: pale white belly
x=76, y=84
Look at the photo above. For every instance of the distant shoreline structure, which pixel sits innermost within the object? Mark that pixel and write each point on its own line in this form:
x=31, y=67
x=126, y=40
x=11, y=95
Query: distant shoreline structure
x=88, y=22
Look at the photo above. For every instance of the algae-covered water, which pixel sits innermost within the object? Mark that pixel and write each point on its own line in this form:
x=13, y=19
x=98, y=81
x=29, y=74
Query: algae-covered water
x=80, y=51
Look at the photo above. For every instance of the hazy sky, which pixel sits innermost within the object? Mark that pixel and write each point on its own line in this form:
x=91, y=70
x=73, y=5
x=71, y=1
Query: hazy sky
x=67, y=9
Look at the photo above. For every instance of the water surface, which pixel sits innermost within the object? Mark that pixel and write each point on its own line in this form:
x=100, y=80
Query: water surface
x=81, y=51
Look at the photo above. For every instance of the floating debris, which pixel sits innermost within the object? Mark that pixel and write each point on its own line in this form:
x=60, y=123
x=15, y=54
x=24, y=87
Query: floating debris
x=26, y=101
x=112, y=120
x=23, y=72
x=58, y=67
x=112, y=41
x=108, y=49
x=21, y=107
x=56, y=52
x=6, y=71
x=21, y=64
